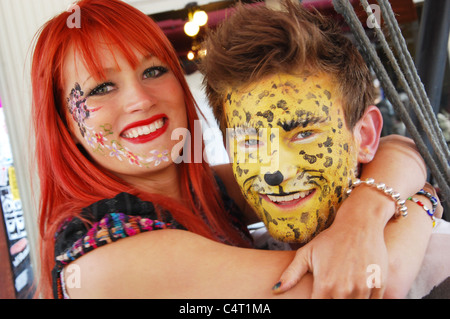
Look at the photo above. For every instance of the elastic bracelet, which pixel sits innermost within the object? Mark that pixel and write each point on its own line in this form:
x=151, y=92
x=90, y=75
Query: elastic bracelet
x=429, y=212
x=433, y=199
x=401, y=210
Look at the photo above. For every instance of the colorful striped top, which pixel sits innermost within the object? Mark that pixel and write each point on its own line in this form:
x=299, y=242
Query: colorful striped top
x=123, y=216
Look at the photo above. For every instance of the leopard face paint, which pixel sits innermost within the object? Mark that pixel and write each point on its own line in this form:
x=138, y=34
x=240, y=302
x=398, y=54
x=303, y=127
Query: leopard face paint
x=305, y=155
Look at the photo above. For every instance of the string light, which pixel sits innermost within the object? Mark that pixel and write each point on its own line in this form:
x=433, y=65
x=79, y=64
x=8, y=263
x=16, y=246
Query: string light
x=190, y=55
x=191, y=28
x=196, y=20
x=200, y=18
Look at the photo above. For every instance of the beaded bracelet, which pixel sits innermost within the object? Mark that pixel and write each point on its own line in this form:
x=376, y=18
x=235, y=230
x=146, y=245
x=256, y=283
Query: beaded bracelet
x=429, y=212
x=433, y=199
x=400, y=203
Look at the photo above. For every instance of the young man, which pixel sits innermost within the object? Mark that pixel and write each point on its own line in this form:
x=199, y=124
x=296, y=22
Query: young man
x=296, y=98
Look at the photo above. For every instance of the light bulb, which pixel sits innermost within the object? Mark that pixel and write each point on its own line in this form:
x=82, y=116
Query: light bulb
x=191, y=28
x=190, y=55
x=200, y=17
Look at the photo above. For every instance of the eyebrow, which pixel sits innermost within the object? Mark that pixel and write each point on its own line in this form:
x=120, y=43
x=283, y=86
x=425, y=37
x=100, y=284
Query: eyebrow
x=110, y=69
x=243, y=130
x=301, y=122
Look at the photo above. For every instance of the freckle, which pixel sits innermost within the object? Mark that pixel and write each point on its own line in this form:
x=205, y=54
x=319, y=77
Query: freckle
x=248, y=116
x=272, y=136
x=328, y=161
x=328, y=142
x=263, y=94
x=304, y=217
x=310, y=158
x=229, y=98
x=310, y=96
x=338, y=190
x=282, y=104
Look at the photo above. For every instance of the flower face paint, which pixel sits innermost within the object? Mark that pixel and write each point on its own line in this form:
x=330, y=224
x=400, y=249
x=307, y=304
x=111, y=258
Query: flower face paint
x=124, y=121
x=294, y=155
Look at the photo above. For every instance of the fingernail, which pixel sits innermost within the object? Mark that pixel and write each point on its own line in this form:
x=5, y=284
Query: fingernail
x=277, y=285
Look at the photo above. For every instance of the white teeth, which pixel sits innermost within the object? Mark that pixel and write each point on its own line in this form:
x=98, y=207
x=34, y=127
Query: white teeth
x=287, y=198
x=144, y=130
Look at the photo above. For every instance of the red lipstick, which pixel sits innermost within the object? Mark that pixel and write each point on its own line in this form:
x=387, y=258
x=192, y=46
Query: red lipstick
x=147, y=137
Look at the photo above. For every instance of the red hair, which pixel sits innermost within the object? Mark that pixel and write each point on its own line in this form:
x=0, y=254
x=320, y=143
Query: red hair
x=68, y=180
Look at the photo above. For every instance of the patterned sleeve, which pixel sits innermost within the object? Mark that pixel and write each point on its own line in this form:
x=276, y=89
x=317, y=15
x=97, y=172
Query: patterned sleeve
x=110, y=220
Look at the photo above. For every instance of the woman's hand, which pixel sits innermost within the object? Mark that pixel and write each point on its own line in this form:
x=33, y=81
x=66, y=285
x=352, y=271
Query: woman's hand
x=347, y=260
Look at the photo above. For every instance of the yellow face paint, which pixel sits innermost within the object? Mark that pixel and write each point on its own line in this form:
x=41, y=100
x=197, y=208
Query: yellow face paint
x=294, y=155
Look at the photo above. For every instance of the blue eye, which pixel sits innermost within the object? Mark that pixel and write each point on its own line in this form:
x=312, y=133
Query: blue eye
x=250, y=143
x=154, y=72
x=303, y=135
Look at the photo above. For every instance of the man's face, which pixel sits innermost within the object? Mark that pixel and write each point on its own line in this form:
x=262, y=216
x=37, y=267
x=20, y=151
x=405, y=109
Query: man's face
x=294, y=155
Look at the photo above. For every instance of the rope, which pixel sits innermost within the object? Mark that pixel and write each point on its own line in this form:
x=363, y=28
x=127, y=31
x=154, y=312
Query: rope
x=412, y=77
x=414, y=89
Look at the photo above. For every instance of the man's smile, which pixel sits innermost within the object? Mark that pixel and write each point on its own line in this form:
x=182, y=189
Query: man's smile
x=289, y=200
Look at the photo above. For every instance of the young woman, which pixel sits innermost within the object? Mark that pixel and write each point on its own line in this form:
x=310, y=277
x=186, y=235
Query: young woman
x=107, y=98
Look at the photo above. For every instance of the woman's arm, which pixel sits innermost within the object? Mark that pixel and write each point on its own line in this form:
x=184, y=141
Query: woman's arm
x=180, y=264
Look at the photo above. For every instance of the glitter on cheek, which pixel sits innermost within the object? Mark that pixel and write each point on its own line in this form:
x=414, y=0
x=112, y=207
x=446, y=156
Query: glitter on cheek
x=76, y=103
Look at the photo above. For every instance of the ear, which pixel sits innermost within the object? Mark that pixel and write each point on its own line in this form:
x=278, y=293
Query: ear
x=367, y=132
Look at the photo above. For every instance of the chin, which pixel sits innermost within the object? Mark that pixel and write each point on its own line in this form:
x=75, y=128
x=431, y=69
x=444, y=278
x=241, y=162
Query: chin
x=293, y=237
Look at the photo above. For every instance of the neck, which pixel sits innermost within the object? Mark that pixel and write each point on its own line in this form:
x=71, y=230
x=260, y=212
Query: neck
x=164, y=182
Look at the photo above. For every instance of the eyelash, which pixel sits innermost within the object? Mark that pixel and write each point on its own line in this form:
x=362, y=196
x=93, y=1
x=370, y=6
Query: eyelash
x=302, y=138
x=245, y=145
x=160, y=70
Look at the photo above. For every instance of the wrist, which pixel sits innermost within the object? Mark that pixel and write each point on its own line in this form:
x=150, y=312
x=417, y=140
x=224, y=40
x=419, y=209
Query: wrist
x=367, y=205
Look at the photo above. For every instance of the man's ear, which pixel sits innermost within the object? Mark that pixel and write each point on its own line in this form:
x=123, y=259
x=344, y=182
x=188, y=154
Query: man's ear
x=367, y=132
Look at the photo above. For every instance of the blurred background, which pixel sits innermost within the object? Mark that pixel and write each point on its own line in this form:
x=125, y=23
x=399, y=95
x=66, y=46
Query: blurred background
x=424, y=23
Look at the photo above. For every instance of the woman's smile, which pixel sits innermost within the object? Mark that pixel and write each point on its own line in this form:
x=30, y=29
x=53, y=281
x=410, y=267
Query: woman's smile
x=146, y=130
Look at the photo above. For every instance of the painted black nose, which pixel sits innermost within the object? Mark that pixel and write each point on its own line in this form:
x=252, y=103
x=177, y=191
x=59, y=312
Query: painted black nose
x=274, y=179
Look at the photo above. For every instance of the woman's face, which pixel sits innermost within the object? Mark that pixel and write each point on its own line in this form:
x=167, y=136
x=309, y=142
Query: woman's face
x=125, y=121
